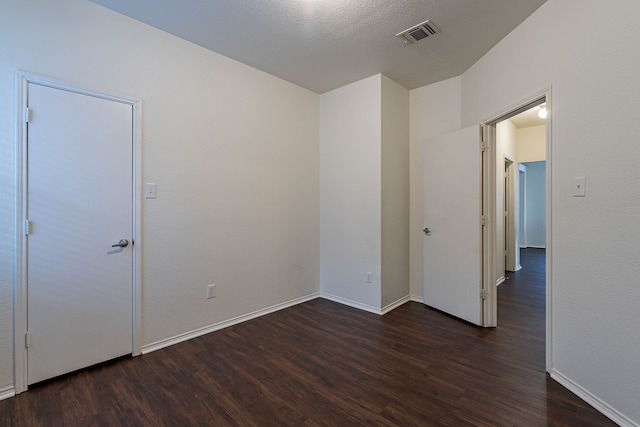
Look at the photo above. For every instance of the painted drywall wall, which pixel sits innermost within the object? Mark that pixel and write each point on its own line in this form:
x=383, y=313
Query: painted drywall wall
x=532, y=144
x=535, y=205
x=364, y=193
x=595, y=296
x=351, y=192
x=234, y=153
x=434, y=110
x=395, y=192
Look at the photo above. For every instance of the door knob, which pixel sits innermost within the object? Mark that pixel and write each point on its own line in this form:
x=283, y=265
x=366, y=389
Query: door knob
x=123, y=243
x=426, y=230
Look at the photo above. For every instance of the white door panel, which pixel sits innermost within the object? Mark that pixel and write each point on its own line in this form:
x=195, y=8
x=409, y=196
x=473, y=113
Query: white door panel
x=452, y=207
x=79, y=193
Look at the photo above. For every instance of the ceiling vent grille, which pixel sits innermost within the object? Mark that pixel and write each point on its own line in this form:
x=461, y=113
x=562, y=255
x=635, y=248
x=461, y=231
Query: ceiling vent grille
x=418, y=32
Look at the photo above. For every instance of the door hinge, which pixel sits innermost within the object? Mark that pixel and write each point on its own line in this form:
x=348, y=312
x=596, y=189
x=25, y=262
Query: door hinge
x=483, y=221
x=27, y=227
x=483, y=146
x=27, y=114
x=27, y=340
x=483, y=294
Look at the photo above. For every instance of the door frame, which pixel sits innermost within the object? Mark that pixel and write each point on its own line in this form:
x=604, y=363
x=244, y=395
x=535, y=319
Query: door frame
x=511, y=221
x=22, y=81
x=488, y=127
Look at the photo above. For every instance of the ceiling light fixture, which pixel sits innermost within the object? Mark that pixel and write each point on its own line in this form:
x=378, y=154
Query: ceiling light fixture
x=542, y=112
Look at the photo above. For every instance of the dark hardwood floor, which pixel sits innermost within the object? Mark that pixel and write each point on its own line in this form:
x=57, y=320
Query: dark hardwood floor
x=322, y=363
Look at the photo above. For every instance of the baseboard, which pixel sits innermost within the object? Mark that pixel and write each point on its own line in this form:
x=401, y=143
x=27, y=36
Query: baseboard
x=366, y=307
x=417, y=298
x=601, y=406
x=500, y=280
x=350, y=303
x=224, y=324
x=395, y=304
x=7, y=392
x=534, y=247
x=518, y=267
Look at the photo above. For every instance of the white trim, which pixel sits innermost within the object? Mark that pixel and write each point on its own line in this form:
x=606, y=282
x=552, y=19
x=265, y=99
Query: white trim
x=518, y=267
x=548, y=257
x=22, y=81
x=500, y=280
x=138, y=191
x=7, y=392
x=488, y=191
x=512, y=221
x=600, y=405
x=20, y=254
x=148, y=348
x=396, y=304
x=351, y=303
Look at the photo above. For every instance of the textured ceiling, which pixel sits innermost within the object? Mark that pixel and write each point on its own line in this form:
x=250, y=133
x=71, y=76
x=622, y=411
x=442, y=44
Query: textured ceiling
x=325, y=44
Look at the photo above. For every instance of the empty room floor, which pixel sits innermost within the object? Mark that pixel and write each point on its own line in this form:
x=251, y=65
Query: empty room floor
x=325, y=364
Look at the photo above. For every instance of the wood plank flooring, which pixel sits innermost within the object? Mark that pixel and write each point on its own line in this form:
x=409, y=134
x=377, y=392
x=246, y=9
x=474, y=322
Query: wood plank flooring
x=325, y=364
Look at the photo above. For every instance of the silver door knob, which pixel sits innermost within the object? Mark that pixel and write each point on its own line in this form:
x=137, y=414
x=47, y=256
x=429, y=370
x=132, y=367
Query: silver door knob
x=123, y=243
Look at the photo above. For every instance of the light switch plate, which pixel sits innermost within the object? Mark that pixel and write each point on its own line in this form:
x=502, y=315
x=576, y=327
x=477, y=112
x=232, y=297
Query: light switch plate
x=579, y=186
x=150, y=190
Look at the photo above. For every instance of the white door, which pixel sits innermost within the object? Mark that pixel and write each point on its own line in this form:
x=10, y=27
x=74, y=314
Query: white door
x=452, y=246
x=79, y=204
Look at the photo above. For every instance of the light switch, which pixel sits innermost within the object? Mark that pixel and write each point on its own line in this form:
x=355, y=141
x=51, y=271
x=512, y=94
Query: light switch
x=579, y=186
x=150, y=190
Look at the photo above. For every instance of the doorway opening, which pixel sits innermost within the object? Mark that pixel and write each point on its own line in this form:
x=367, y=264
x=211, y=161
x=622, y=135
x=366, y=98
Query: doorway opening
x=517, y=196
x=48, y=249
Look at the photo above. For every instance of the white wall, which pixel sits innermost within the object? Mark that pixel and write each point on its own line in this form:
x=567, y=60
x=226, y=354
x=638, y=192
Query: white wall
x=532, y=143
x=364, y=193
x=395, y=192
x=535, y=205
x=434, y=110
x=351, y=192
x=234, y=152
x=595, y=128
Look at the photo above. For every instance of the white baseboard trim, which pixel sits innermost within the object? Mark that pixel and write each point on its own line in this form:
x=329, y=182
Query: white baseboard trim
x=534, y=247
x=601, y=406
x=518, y=267
x=500, y=280
x=417, y=298
x=350, y=303
x=7, y=392
x=396, y=304
x=380, y=311
x=224, y=324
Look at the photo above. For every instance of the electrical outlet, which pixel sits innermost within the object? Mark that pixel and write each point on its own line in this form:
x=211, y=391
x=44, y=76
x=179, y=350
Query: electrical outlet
x=211, y=291
x=150, y=190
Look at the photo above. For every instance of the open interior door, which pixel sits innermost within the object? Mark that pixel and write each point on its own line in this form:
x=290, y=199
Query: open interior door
x=452, y=241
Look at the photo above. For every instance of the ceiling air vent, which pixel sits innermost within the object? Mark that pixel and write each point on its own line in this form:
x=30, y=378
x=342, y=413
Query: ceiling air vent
x=418, y=32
